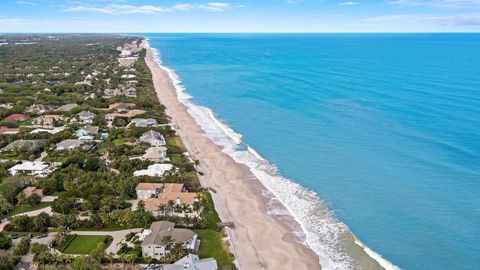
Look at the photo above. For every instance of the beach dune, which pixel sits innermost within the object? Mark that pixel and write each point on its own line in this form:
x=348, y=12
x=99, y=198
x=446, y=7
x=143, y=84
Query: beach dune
x=260, y=241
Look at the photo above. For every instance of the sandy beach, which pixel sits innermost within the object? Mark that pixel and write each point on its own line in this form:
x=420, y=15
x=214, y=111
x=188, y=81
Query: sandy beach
x=260, y=241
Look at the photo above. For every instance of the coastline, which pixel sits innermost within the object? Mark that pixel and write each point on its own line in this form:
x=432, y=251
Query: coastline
x=239, y=196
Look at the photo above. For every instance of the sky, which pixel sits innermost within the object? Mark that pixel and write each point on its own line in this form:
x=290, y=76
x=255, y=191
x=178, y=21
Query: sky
x=133, y=16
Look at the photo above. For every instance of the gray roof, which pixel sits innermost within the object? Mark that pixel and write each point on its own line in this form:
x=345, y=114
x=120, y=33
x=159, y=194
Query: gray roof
x=28, y=144
x=152, y=136
x=68, y=144
x=86, y=114
x=67, y=107
x=192, y=262
x=160, y=229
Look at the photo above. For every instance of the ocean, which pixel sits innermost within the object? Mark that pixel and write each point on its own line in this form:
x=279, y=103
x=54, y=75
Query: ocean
x=372, y=141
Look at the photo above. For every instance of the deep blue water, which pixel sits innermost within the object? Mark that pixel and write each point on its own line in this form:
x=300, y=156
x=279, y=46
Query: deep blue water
x=384, y=127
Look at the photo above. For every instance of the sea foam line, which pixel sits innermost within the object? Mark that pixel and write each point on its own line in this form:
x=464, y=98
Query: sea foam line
x=319, y=225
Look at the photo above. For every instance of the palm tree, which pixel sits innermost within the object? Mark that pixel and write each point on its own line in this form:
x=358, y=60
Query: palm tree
x=109, y=256
x=162, y=208
x=170, y=205
x=196, y=163
x=167, y=240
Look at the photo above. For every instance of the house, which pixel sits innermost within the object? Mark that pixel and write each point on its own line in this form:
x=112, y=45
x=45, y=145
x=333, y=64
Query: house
x=127, y=61
x=119, y=107
x=8, y=131
x=153, y=138
x=29, y=191
x=154, y=170
x=49, y=120
x=38, y=109
x=87, y=130
x=33, y=168
x=67, y=107
x=155, y=154
x=54, y=130
x=154, y=239
x=29, y=145
x=110, y=117
x=68, y=144
x=142, y=122
x=130, y=92
x=156, y=194
x=15, y=117
x=128, y=76
x=192, y=262
x=86, y=117
x=109, y=93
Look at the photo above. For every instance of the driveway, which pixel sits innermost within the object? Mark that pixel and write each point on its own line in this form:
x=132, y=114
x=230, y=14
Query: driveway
x=118, y=237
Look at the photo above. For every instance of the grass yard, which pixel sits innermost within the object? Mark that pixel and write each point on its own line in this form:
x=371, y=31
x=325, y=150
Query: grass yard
x=176, y=159
x=211, y=247
x=210, y=213
x=118, y=142
x=26, y=208
x=175, y=141
x=84, y=244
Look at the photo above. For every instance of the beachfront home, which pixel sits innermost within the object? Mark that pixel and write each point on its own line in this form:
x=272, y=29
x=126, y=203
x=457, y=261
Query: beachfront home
x=156, y=194
x=86, y=117
x=153, y=138
x=155, y=170
x=15, y=117
x=192, y=262
x=155, y=154
x=33, y=168
x=68, y=144
x=154, y=244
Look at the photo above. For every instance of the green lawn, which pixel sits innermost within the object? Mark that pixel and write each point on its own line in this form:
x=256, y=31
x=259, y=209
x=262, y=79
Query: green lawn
x=84, y=244
x=210, y=213
x=211, y=247
x=118, y=142
x=176, y=159
x=25, y=208
x=211, y=240
x=175, y=141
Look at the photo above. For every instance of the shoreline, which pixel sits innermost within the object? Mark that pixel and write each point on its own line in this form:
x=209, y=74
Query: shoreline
x=239, y=196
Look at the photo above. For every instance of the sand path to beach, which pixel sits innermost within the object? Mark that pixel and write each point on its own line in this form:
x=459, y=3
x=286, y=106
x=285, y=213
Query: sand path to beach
x=260, y=241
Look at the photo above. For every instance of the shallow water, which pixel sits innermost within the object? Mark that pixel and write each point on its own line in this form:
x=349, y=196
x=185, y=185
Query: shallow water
x=385, y=128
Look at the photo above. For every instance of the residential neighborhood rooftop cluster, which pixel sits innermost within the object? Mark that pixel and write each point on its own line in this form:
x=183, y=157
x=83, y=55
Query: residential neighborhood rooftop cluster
x=86, y=146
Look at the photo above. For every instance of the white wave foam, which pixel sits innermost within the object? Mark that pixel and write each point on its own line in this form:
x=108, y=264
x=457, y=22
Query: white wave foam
x=322, y=230
x=377, y=257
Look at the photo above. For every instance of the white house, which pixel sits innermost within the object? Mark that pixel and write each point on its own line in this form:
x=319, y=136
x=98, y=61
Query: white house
x=153, y=138
x=192, y=262
x=86, y=117
x=33, y=168
x=154, y=170
x=154, y=244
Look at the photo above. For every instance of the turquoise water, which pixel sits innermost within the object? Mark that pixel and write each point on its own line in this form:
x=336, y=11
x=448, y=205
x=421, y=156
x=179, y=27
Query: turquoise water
x=385, y=128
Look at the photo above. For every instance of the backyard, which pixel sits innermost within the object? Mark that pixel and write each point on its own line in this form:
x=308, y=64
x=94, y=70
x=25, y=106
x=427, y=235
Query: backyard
x=84, y=244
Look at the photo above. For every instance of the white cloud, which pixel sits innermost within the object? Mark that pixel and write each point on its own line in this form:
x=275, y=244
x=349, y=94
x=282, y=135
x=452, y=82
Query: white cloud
x=116, y=9
x=437, y=3
x=470, y=19
x=12, y=21
x=26, y=3
x=347, y=4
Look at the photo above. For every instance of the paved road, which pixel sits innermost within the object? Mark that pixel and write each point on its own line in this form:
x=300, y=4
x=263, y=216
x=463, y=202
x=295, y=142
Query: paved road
x=118, y=237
